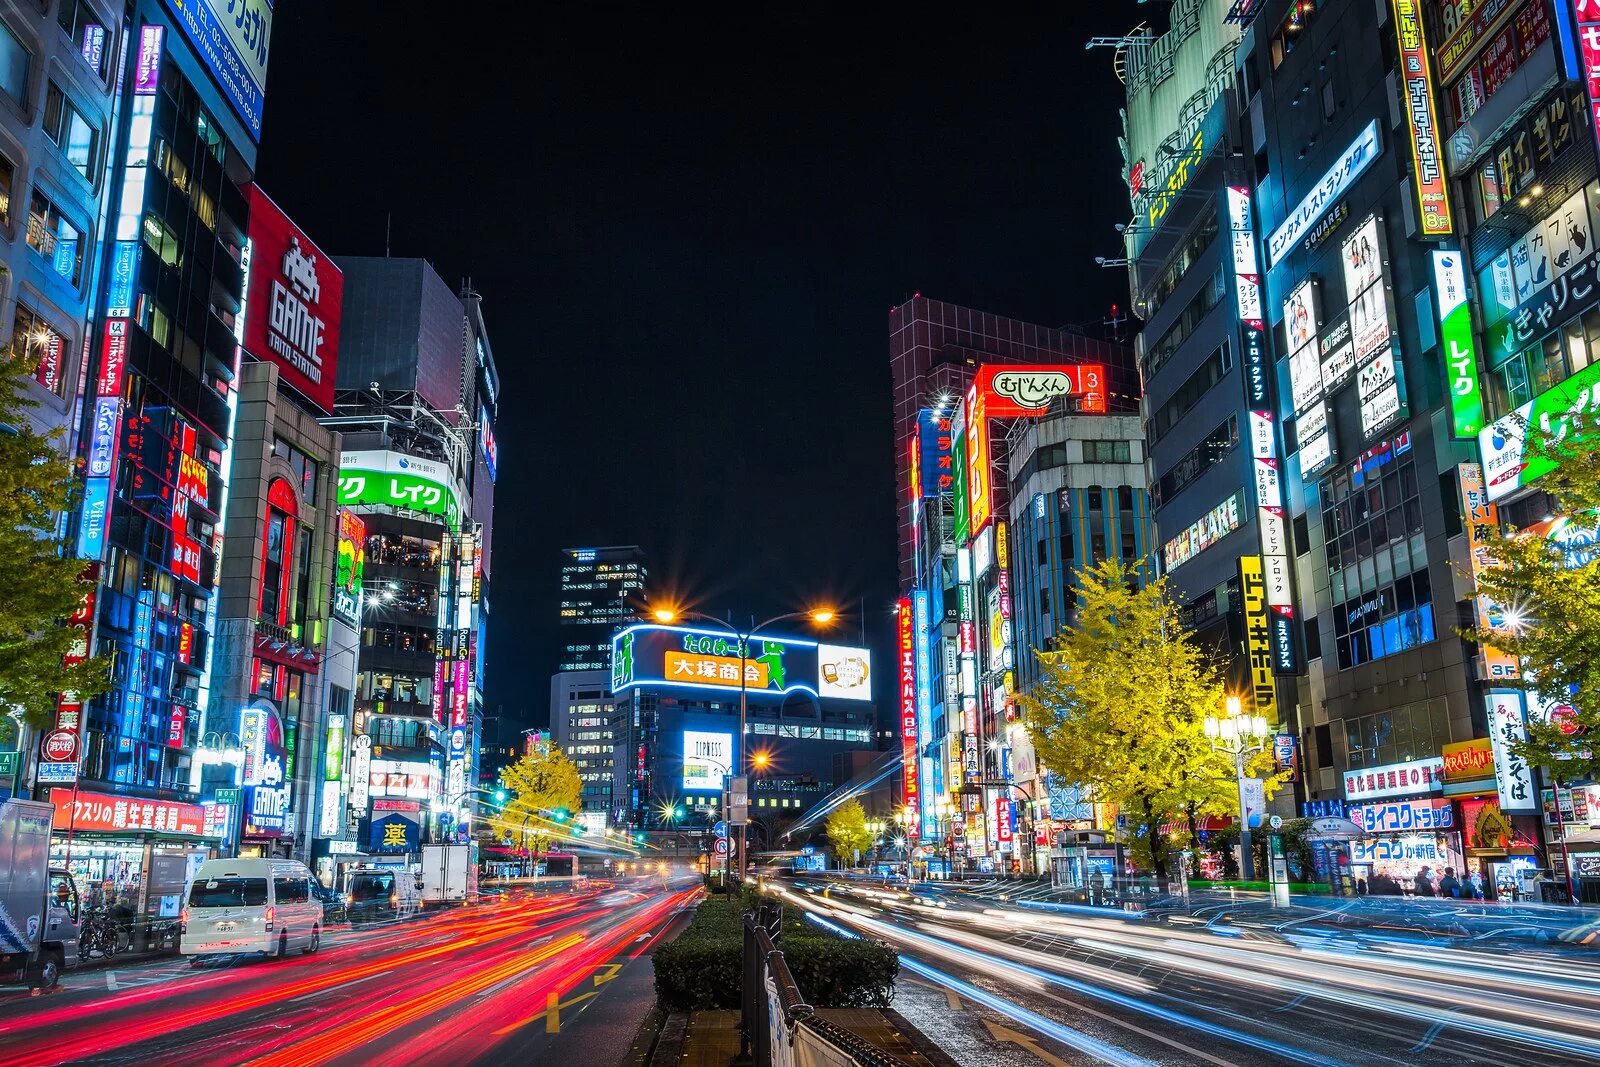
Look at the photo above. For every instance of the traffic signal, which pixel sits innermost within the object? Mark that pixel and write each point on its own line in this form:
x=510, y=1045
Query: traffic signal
x=559, y=815
x=500, y=796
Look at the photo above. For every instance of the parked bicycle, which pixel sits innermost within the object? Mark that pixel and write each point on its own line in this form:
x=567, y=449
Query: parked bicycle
x=101, y=936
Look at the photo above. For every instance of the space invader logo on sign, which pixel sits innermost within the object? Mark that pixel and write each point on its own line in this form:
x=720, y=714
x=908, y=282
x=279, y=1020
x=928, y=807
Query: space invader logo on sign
x=292, y=315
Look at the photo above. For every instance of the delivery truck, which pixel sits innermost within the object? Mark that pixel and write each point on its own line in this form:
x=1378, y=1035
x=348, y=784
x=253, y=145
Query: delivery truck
x=449, y=873
x=39, y=907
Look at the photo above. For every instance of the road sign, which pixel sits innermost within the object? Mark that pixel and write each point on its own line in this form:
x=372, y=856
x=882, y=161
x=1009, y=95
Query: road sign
x=722, y=846
x=721, y=829
x=8, y=762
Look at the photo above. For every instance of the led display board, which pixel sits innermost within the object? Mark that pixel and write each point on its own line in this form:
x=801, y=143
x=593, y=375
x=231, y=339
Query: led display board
x=1460, y=351
x=1432, y=191
x=382, y=477
x=349, y=567
x=707, y=760
x=292, y=315
x=654, y=655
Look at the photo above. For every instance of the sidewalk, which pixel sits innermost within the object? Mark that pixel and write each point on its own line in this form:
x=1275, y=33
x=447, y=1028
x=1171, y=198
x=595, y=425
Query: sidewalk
x=711, y=1038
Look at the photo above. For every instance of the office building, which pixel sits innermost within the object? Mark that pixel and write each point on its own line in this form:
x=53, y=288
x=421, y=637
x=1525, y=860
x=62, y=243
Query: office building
x=586, y=725
x=601, y=588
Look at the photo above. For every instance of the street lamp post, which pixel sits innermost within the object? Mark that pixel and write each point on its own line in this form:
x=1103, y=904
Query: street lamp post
x=1240, y=736
x=821, y=617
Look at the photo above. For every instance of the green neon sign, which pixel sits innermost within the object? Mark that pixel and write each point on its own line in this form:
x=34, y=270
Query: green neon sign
x=958, y=485
x=1455, y=341
x=399, y=490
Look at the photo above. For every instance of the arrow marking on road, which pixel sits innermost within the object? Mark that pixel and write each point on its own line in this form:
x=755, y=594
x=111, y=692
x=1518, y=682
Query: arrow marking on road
x=1002, y=1033
x=611, y=970
x=955, y=1001
x=551, y=1014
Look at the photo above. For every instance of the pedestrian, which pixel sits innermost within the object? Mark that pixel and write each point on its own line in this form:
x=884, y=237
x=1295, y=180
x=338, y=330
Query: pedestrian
x=1422, y=884
x=1448, y=886
x=1477, y=885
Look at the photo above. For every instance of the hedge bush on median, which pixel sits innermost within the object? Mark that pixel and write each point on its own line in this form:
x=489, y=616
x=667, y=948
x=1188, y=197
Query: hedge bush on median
x=702, y=968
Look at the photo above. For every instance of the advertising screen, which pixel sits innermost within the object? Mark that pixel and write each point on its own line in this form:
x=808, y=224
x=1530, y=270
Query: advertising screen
x=707, y=759
x=349, y=567
x=1027, y=391
x=292, y=313
x=654, y=655
x=845, y=673
x=378, y=476
x=232, y=38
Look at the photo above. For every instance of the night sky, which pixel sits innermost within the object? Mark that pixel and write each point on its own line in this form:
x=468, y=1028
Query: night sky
x=688, y=233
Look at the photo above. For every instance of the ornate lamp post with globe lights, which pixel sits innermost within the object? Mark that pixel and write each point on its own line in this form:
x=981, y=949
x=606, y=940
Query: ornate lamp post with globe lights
x=1240, y=736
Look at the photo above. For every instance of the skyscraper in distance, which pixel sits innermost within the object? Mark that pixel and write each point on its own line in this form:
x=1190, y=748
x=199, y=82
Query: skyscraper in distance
x=596, y=585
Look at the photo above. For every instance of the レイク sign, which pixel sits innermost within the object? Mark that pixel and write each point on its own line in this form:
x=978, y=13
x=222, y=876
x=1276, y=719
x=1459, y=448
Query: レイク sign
x=1460, y=353
x=292, y=314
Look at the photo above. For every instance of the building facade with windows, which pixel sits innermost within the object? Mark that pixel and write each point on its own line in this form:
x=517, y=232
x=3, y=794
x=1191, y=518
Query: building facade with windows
x=57, y=70
x=601, y=589
x=586, y=725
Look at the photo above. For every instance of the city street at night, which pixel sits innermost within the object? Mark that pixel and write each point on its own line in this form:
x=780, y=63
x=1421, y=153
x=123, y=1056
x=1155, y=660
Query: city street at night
x=995, y=982
x=524, y=977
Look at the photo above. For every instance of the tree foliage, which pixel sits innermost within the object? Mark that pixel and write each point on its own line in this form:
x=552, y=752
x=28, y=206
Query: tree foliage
x=847, y=829
x=1120, y=709
x=539, y=784
x=40, y=585
x=1547, y=607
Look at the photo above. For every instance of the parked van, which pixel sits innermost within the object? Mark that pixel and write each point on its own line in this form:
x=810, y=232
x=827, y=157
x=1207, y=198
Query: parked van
x=379, y=894
x=250, y=906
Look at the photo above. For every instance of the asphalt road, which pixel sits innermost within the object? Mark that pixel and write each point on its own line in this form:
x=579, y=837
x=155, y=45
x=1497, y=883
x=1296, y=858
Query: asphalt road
x=522, y=979
x=994, y=983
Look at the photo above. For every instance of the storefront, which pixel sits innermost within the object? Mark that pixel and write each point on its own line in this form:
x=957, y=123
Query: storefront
x=1407, y=827
x=132, y=855
x=1498, y=845
x=1573, y=836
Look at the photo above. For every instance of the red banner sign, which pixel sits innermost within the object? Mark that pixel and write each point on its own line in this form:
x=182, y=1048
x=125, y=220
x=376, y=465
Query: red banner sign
x=79, y=810
x=293, y=309
x=1008, y=392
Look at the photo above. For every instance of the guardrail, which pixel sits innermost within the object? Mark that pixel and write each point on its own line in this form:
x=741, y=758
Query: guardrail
x=778, y=1028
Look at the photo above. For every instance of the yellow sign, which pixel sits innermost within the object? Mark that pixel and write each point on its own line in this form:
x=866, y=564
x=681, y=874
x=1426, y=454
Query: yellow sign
x=1258, y=637
x=714, y=670
x=978, y=504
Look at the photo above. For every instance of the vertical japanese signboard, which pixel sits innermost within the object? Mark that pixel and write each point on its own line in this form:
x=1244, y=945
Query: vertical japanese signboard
x=907, y=648
x=1455, y=337
x=978, y=474
x=1247, y=295
x=1433, y=193
x=1588, y=17
x=1258, y=637
x=1480, y=521
x=1506, y=729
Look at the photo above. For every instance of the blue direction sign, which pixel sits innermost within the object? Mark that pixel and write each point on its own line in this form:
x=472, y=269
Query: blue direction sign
x=721, y=829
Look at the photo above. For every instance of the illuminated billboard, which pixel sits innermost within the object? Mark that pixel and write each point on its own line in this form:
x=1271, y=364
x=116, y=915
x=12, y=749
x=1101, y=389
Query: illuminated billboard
x=697, y=658
x=707, y=759
x=844, y=673
x=292, y=314
x=1008, y=392
x=349, y=567
x=1433, y=192
x=232, y=38
x=382, y=477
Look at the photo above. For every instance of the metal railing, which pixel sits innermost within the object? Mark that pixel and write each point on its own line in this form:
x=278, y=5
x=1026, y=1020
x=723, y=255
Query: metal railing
x=777, y=1027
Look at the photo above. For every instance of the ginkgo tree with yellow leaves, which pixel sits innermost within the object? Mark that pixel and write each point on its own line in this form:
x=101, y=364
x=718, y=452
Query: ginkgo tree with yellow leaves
x=1120, y=707
x=543, y=790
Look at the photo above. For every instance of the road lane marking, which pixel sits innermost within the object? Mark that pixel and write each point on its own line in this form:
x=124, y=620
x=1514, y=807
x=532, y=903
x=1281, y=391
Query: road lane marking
x=611, y=971
x=551, y=1014
x=1005, y=1034
x=342, y=985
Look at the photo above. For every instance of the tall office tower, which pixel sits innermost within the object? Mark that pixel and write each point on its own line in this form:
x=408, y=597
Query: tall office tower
x=600, y=590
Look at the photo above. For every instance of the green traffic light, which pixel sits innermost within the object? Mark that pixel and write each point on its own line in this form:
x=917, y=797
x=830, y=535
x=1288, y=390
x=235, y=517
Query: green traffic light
x=500, y=795
x=559, y=815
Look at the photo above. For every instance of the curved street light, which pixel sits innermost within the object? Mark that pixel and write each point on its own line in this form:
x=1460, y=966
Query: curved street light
x=818, y=616
x=1240, y=736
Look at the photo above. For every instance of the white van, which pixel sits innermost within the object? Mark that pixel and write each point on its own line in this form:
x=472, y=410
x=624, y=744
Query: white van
x=250, y=906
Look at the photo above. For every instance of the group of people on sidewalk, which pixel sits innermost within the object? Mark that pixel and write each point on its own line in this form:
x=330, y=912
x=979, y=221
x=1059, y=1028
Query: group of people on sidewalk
x=1423, y=884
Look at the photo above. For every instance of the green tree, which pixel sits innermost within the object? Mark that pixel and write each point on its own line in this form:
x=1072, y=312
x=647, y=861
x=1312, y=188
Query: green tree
x=847, y=829
x=540, y=786
x=1120, y=709
x=1548, y=607
x=40, y=585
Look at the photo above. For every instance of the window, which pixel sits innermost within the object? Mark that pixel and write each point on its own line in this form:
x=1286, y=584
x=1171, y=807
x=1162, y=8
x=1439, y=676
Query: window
x=43, y=348
x=16, y=62
x=304, y=467
x=160, y=239
x=1188, y=319
x=154, y=320
x=8, y=173
x=1208, y=453
x=1388, y=620
x=1107, y=452
x=290, y=890
x=1546, y=363
x=1189, y=393
x=76, y=136
x=1179, y=265
x=54, y=238
x=82, y=27
x=228, y=893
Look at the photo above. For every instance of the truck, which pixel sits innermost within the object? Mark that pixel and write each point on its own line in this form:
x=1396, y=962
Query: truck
x=40, y=911
x=449, y=873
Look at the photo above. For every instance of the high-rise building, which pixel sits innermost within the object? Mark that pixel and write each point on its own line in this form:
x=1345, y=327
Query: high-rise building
x=934, y=349
x=586, y=725
x=596, y=587
x=55, y=176
x=167, y=289
x=416, y=408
